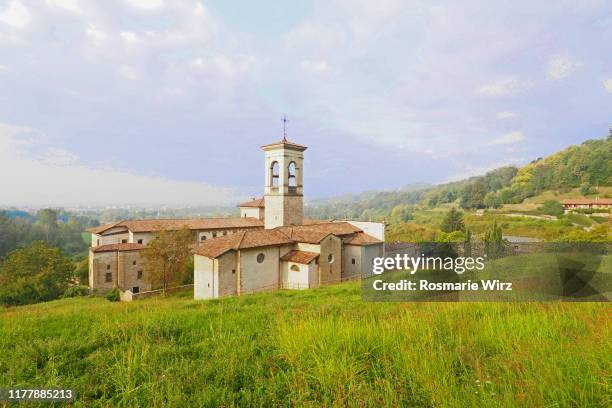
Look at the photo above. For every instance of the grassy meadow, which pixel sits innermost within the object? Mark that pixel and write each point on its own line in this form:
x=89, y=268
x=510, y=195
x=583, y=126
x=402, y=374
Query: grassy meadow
x=321, y=347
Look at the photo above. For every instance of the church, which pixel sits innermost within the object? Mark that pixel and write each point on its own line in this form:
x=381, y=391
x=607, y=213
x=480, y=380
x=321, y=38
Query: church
x=270, y=246
x=289, y=252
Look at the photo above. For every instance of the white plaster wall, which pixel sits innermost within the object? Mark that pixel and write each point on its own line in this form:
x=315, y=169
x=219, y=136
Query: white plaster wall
x=375, y=229
x=97, y=240
x=369, y=253
x=313, y=274
x=203, y=277
x=352, y=252
x=145, y=236
x=256, y=276
x=253, y=212
x=330, y=271
x=209, y=234
x=226, y=274
x=297, y=279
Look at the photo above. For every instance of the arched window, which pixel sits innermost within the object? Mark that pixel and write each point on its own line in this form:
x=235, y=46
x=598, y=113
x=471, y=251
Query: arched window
x=260, y=258
x=274, y=174
x=291, y=175
x=295, y=268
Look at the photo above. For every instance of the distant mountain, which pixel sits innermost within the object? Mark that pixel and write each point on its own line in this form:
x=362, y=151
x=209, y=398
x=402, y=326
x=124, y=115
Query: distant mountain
x=586, y=166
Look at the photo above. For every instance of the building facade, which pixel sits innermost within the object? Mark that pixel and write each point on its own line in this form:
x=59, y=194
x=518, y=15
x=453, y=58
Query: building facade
x=269, y=246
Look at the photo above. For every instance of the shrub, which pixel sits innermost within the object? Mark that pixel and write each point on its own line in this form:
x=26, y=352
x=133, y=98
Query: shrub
x=76, y=291
x=113, y=295
x=552, y=207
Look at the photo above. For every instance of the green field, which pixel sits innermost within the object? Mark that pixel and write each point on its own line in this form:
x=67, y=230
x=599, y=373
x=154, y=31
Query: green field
x=322, y=347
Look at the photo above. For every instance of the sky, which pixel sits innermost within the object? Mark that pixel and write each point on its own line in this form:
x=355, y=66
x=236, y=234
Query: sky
x=159, y=102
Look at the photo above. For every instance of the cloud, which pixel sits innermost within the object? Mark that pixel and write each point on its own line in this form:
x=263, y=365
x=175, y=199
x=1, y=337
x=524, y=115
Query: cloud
x=607, y=83
x=128, y=36
x=311, y=34
x=40, y=175
x=315, y=67
x=15, y=15
x=561, y=67
x=508, y=138
x=505, y=115
x=503, y=87
x=129, y=73
x=146, y=4
x=222, y=64
x=95, y=33
x=70, y=5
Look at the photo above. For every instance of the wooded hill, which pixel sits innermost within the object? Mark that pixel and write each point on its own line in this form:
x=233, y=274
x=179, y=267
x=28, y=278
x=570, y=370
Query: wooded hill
x=586, y=166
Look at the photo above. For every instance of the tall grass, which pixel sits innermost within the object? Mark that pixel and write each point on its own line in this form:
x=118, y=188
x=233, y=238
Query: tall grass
x=322, y=347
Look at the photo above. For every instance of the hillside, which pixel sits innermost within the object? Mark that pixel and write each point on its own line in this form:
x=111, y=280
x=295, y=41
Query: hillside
x=585, y=169
x=314, y=347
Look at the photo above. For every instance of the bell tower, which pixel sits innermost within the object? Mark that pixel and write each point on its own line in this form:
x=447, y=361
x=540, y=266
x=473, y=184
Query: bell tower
x=283, y=189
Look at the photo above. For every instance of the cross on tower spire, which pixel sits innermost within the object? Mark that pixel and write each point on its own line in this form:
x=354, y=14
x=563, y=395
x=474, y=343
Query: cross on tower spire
x=285, y=128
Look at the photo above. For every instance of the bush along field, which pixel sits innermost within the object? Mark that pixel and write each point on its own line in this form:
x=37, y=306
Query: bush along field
x=318, y=347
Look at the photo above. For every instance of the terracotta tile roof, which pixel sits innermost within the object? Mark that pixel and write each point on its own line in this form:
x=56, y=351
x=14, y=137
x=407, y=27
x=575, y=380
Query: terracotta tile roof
x=302, y=233
x=101, y=228
x=215, y=247
x=118, y=247
x=336, y=228
x=302, y=257
x=583, y=200
x=311, y=221
x=176, y=224
x=256, y=203
x=286, y=143
x=362, y=239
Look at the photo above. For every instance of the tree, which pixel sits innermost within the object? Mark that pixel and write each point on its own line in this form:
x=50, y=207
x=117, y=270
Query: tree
x=36, y=273
x=467, y=244
x=453, y=221
x=402, y=213
x=166, y=257
x=552, y=207
x=586, y=189
x=47, y=219
x=492, y=200
x=494, y=241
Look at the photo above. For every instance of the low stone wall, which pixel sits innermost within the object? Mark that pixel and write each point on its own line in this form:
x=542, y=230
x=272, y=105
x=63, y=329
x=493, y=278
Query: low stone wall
x=128, y=296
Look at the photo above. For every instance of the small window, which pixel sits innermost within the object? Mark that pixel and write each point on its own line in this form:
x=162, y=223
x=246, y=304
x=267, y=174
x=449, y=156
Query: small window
x=124, y=241
x=233, y=271
x=97, y=242
x=260, y=258
x=108, y=277
x=139, y=275
x=140, y=241
x=224, y=232
x=295, y=268
x=214, y=234
x=133, y=262
x=330, y=258
x=135, y=289
x=203, y=238
x=353, y=261
x=108, y=267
